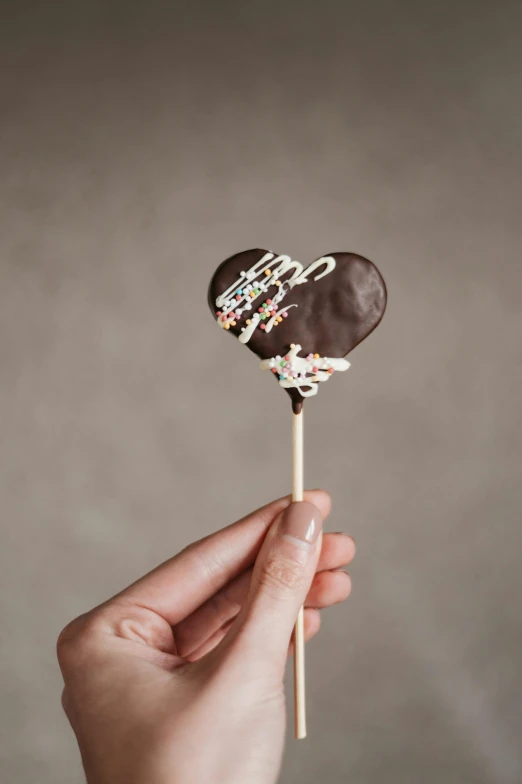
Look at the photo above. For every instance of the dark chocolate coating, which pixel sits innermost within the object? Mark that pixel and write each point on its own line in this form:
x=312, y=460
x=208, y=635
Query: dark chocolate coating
x=334, y=315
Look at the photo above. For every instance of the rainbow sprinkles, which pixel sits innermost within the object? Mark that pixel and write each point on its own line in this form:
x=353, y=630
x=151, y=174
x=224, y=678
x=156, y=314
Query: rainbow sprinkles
x=303, y=373
x=237, y=302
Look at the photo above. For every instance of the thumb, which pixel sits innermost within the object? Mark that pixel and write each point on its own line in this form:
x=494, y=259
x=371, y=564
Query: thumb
x=281, y=578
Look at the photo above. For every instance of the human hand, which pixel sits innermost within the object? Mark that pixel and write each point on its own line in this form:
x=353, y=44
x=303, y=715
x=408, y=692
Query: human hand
x=179, y=678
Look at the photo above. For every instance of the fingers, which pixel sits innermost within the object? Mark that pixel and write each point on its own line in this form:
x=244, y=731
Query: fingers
x=281, y=578
x=312, y=624
x=177, y=587
x=337, y=551
x=329, y=588
x=201, y=628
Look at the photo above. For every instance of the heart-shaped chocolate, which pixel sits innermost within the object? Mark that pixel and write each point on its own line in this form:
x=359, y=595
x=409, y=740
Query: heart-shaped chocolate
x=300, y=321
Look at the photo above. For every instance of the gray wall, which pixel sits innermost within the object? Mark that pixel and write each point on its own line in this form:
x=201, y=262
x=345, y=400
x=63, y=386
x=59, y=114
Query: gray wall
x=140, y=145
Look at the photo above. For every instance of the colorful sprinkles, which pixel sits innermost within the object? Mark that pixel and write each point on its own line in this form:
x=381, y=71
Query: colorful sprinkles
x=235, y=303
x=291, y=366
x=292, y=371
x=303, y=373
x=252, y=288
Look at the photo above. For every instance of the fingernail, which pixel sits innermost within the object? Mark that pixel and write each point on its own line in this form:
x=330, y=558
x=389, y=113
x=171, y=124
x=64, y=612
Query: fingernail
x=302, y=521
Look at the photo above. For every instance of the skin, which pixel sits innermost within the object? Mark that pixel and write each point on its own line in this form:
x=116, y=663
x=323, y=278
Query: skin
x=179, y=678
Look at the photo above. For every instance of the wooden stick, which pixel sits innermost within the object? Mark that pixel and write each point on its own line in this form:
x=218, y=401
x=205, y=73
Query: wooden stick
x=299, y=657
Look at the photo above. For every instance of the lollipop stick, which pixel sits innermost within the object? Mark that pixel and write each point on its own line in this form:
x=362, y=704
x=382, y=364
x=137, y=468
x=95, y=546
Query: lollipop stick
x=299, y=658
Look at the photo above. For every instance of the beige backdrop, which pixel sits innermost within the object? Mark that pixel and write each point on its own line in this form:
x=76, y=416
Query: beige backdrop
x=140, y=145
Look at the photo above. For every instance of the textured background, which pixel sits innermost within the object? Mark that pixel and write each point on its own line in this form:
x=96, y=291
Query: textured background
x=140, y=145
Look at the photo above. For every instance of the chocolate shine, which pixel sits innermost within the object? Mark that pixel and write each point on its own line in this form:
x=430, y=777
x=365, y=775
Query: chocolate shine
x=333, y=316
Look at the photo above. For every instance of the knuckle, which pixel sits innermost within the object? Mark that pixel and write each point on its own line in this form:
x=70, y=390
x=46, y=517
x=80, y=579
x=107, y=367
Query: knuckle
x=73, y=638
x=282, y=574
x=69, y=633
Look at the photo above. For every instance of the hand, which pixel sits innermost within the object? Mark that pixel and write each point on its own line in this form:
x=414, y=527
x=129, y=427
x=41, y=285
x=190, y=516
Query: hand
x=179, y=678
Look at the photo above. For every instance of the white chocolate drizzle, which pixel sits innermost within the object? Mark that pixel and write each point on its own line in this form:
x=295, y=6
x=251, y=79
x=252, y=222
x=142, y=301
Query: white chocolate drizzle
x=303, y=373
x=237, y=301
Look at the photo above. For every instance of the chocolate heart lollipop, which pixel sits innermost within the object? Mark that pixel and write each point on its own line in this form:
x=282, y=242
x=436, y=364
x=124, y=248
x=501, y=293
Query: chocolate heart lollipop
x=300, y=321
